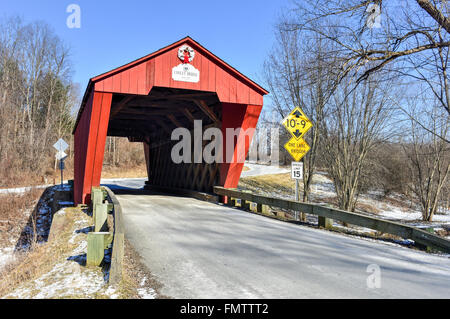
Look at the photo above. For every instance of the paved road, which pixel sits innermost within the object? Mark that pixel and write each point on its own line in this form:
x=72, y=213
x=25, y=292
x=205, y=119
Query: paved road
x=204, y=250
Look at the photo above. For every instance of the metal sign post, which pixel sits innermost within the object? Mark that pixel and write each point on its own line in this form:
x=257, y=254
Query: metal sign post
x=61, y=167
x=61, y=146
x=297, y=174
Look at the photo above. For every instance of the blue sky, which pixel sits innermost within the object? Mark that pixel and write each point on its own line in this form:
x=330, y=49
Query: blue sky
x=113, y=33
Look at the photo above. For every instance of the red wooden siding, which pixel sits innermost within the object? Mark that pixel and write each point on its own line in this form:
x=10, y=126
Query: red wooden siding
x=245, y=117
x=140, y=78
x=90, y=138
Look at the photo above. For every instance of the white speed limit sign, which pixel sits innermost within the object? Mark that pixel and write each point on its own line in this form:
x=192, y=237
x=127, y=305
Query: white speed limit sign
x=297, y=170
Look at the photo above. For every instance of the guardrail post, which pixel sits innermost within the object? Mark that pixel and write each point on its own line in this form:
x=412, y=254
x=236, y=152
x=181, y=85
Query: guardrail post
x=95, y=249
x=96, y=198
x=263, y=209
x=231, y=202
x=325, y=222
x=246, y=204
x=100, y=216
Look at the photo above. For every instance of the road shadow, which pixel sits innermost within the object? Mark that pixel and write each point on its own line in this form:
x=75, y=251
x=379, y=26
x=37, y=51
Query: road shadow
x=80, y=259
x=123, y=190
x=85, y=230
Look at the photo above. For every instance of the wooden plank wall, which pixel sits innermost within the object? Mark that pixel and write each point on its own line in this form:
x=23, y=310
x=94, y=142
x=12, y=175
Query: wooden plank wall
x=90, y=138
x=157, y=71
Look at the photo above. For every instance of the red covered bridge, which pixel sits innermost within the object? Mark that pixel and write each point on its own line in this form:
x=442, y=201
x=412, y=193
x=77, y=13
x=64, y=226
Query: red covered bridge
x=145, y=100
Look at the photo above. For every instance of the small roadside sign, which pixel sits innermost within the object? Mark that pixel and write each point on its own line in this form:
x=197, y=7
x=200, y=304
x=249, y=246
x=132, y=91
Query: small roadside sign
x=296, y=170
x=297, y=148
x=61, y=145
x=297, y=123
x=60, y=155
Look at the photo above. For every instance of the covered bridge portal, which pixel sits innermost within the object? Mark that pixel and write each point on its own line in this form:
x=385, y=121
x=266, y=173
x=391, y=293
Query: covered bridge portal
x=147, y=99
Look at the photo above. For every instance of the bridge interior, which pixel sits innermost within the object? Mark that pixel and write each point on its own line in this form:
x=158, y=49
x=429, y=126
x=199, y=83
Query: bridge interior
x=147, y=118
x=151, y=120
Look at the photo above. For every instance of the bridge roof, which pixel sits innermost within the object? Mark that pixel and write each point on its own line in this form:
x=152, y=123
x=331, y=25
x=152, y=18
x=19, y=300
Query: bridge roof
x=141, y=75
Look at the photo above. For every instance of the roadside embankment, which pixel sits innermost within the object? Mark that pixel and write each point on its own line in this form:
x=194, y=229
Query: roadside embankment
x=50, y=257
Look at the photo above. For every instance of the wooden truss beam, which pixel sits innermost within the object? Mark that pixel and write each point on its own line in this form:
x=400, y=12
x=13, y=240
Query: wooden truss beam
x=205, y=109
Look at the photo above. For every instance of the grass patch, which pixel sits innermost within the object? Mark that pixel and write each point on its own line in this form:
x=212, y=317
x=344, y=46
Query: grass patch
x=40, y=259
x=124, y=172
x=275, y=183
x=13, y=214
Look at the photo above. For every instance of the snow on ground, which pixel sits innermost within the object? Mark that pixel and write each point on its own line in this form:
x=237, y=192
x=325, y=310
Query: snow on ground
x=64, y=280
x=22, y=190
x=68, y=278
x=145, y=292
x=6, y=256
x=259, y=169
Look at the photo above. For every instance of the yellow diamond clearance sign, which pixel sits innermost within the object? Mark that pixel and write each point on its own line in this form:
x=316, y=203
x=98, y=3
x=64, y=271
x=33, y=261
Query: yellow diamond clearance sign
x=297, y=123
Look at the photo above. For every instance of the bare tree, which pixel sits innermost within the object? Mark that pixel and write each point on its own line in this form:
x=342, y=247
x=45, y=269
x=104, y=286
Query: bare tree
x=299, y=73
x=428, y=160
x=358, y=122
x=36, y=95
x=407, y=33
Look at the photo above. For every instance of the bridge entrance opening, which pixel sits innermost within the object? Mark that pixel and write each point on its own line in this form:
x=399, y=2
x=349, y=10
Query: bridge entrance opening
x=146, y=100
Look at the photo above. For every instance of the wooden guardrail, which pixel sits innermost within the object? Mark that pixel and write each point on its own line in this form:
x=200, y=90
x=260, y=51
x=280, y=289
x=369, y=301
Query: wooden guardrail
x=116, y=270
x=105, y=207
x=408, y=232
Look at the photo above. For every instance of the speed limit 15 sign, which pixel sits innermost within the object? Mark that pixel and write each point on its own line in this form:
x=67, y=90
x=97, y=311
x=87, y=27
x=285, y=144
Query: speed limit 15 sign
x=297, y=170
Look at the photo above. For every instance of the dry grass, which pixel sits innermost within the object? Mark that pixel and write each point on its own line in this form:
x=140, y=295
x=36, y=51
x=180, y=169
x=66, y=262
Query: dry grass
x=124, y=172
x=39, y=260
x=364, y=207
x=13, y=216
x=270, y=183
